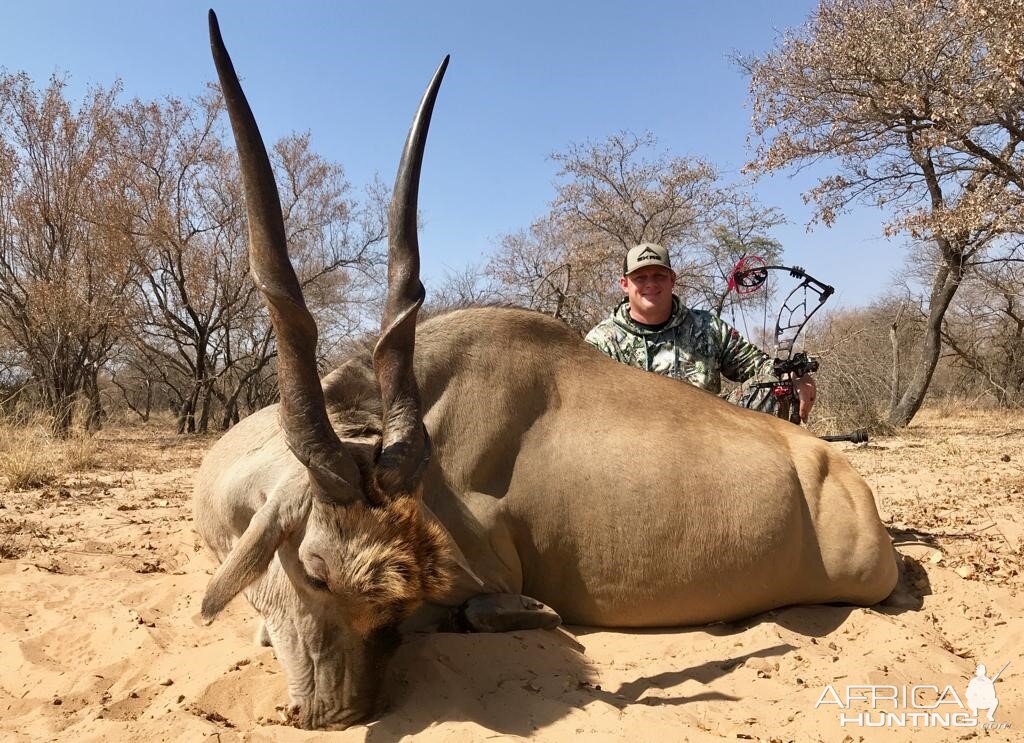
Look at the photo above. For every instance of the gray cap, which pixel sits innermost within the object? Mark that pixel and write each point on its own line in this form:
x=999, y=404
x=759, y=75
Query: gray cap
x=644, y=255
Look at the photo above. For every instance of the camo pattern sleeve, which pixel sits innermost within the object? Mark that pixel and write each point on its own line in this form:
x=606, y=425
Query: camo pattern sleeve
x=605, y=338
x=740, y=360
x=744, y=362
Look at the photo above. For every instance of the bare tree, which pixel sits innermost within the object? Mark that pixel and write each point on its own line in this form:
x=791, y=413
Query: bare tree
x=739, y=227
x=919, y=105
x=183, y=216
x=467, y=287
x=611, y=196
x=624, y=191
x=65, y=281
x=984, y=327
x=858, y=373
x=205, y=327
x=536, y=268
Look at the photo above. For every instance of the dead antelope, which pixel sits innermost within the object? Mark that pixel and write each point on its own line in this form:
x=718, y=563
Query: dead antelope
x=490, y=455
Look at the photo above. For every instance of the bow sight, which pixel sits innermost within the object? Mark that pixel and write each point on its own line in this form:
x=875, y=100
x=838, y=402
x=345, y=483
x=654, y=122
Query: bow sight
x=797, y=365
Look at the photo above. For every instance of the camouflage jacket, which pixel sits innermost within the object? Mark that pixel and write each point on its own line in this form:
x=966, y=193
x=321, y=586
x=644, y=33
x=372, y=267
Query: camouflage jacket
x=696, y=346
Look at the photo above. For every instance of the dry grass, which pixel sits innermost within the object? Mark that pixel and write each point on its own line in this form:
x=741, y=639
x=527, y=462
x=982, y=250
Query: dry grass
x=80, y=453
x=842, y=410
x=10, y=547
x=952, y=407
x=26, y=457
x=30, y=457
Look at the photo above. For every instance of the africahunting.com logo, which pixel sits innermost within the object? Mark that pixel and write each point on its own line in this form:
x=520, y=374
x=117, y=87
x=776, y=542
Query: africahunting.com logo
x=918, y=705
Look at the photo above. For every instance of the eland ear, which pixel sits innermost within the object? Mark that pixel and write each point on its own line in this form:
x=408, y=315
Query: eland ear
x=247, y=561
x=452, y=547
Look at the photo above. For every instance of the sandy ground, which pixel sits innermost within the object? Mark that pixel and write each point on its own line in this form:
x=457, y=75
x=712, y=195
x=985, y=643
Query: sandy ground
x=102, y=575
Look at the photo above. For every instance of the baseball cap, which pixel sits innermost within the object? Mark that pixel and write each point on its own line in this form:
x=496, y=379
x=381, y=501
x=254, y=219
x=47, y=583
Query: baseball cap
x=643, y=255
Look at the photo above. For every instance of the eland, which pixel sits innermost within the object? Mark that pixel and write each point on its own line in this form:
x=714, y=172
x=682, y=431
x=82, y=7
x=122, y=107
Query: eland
x=491, y=462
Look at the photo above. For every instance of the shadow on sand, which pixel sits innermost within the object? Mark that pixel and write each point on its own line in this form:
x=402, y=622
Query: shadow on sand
x=512, y=683
x=517, y=683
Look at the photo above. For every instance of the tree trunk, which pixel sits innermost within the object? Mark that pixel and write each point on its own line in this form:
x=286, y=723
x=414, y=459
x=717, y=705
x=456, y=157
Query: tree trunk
x=94, y=414
x=944, y=286
x=894, y=340
x=204, y=416
x=60, y=403
x=187, y=411
x=720, y=305
x=230, y=416
x=184, y=414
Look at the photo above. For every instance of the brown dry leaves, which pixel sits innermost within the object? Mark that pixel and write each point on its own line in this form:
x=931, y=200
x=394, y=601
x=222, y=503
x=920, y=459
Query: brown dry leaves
x=952, y=487
x=901, y=92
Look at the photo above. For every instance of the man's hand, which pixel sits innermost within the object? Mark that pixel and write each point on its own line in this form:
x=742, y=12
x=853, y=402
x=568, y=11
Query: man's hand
x=806, y=390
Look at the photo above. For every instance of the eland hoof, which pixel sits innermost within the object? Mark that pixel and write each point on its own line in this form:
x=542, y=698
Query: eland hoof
x=505, y=612
x=263, y=636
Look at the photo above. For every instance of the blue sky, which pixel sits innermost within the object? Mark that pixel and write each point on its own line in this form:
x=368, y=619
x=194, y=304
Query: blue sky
x=526, y=79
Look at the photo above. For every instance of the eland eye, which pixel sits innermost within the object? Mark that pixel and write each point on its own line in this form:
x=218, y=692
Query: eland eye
x=317, y=584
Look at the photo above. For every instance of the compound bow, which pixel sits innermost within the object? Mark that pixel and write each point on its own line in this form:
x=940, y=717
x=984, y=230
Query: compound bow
x=748, y=276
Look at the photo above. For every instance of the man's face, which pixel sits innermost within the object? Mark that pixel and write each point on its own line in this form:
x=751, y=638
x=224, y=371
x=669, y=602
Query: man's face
x=650, y=293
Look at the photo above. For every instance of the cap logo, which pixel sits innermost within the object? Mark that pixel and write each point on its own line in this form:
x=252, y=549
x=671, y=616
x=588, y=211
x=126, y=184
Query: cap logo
x=645, y=254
